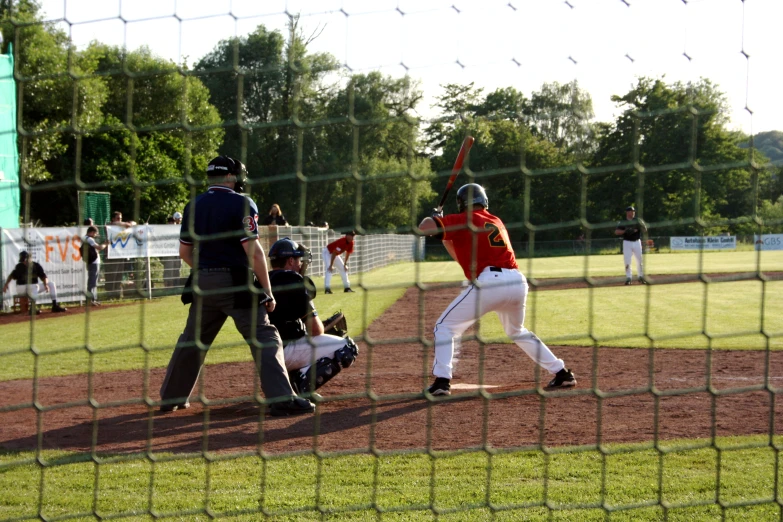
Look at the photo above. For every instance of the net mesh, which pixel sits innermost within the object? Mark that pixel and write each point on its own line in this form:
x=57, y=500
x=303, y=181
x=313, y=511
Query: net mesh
x=675, y=412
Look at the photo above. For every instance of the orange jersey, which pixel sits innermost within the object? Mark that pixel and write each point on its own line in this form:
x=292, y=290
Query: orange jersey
x=339, y=246
x=488, y=245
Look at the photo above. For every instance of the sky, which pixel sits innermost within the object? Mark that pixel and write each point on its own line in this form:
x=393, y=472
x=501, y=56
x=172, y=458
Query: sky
x=605, y=45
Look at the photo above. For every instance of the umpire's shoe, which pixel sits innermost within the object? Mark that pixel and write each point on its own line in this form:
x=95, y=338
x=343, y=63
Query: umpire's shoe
x=441, y=386
x=563, y=379
x=165, y=408
x=293, y=406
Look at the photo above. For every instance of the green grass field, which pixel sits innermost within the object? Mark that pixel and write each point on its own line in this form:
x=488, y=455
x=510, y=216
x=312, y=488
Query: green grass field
x=632, y=482
x=676, y=480
x=681, y=315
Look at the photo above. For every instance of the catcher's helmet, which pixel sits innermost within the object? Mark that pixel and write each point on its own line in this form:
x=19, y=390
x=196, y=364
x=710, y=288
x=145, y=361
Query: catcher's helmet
x=224, y=165
x=475, y=192
x=287, y=247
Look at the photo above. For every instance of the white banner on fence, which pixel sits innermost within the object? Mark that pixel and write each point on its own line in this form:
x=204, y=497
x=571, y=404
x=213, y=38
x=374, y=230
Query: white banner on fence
x=704, y=243
x=137, y=241
x=57, y=250
x=769, y=242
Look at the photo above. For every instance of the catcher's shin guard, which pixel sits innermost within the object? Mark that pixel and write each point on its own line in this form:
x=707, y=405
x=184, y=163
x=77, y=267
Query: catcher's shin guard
x=347, y=354
x=325, y=370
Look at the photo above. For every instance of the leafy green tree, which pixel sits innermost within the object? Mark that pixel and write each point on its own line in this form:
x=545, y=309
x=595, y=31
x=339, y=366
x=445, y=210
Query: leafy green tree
x=270, y=92
x=676, y=133
x=562, y=114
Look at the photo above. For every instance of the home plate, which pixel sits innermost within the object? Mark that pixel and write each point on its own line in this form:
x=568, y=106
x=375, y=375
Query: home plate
x=465, y=386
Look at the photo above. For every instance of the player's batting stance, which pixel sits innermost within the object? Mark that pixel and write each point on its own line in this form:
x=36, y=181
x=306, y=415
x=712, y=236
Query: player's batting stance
x=484, y=252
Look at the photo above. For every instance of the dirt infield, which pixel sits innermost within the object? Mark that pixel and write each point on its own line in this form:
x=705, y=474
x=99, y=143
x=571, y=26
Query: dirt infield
x=395, y=370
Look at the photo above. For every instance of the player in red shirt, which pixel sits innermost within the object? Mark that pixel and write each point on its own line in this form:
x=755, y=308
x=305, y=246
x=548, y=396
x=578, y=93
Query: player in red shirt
x=331, y=256
x=484, y=252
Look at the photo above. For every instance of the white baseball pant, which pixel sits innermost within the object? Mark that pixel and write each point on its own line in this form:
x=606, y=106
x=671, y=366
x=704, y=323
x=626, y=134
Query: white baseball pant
x=338, y=264
x=302, y=353
x=32, y=291
x=503, y=292
x=632, y=249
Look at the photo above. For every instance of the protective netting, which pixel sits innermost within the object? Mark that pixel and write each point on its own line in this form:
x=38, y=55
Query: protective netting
x=675, y=412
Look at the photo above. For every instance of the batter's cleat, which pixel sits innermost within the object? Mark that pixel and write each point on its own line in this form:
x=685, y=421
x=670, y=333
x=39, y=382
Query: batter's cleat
x=166, y=408
x=441, y=386
x=348, y=291
x=627, y=281
x=642, y=281
x=328, y=291
x=563, y=379
x=57, y=308
x=293, y=406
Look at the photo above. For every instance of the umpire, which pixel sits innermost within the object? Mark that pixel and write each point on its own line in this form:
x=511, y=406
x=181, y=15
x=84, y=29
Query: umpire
x=219, y=239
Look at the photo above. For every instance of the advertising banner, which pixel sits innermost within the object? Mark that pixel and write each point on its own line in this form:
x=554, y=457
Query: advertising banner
x=704, y=243
x=142, y=240
x=769, y=242
x=57, y=250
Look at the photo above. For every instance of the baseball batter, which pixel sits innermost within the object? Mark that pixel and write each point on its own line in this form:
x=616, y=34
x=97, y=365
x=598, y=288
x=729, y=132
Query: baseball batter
x=632, y=243
x=331, y=256
x=484, y=252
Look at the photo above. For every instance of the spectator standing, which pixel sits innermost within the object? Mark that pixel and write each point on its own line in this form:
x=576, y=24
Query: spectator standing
x=115, y=268
x=172, y=264
x=90, y=249
x=331, y=256
x=275, y=217
x=26, y=274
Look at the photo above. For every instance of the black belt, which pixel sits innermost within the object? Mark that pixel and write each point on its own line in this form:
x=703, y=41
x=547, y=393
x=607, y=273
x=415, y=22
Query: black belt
x=221, y=269
x=495, y=269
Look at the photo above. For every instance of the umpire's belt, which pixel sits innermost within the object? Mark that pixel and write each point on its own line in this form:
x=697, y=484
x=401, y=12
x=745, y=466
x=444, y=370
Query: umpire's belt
x=221, y=269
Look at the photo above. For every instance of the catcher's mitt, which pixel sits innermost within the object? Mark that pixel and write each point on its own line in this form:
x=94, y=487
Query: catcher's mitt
x=336, y=325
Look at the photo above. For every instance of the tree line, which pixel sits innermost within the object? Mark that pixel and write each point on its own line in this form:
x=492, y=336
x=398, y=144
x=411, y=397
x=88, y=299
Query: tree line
x=348, y=149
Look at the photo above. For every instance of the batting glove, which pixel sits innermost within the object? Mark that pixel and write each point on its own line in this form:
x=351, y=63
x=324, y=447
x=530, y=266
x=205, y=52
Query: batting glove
x=436, y=213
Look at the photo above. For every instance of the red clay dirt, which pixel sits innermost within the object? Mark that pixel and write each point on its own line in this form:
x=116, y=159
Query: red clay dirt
x=377, y=403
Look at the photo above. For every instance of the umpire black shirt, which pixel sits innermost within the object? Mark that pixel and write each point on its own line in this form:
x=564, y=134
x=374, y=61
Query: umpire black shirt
x=227, y=219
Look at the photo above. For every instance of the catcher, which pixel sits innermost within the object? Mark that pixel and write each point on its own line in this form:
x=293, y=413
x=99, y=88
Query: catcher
x=314, y=352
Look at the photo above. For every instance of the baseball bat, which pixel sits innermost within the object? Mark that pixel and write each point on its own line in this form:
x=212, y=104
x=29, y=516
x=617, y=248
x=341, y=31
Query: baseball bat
x=463, y=150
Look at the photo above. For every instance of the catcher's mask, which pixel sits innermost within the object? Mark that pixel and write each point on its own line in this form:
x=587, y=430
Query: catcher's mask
x=471, y=194
x=225, y=165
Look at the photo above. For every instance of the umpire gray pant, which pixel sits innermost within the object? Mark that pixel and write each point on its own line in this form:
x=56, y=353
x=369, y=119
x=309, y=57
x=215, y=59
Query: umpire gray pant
x=207, y=315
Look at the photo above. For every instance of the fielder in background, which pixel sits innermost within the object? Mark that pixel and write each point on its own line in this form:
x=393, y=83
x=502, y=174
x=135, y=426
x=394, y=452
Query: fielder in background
x=313, y=355
x=26, y=274
x=496, y=285
x=632, y=243
x=229, y=255
x=331, y=256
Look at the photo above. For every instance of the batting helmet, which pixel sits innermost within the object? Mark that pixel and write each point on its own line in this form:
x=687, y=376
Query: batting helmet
x=475, y=193
x=225, y=165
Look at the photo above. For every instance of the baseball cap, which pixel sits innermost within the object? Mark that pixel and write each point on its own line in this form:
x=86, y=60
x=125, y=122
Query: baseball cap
x=630, y=208
x=23, y=255
x=177, y=215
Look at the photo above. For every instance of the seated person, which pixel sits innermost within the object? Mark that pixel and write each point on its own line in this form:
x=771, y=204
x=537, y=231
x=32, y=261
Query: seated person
x=312, y=357
x=28, y=287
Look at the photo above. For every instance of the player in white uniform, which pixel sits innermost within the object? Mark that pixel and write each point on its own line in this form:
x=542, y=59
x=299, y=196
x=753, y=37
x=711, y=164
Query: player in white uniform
x=632, y=244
